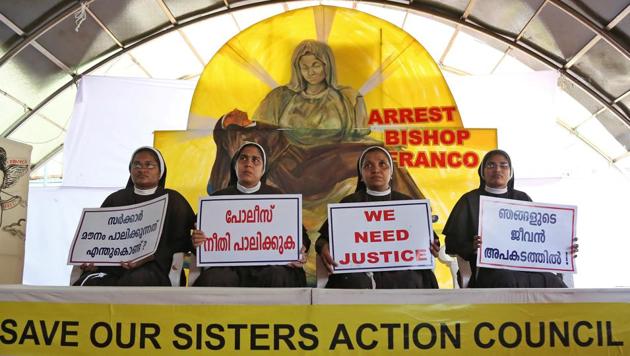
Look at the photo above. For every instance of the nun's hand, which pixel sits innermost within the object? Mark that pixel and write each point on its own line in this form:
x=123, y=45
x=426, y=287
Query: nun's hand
x=198, y=237
x=236, y=117
x=136, y=264
x=574, y=248
x=435, y=247
x=302, y=261
x=476, y=242
x=88, y=267
x=327, y=258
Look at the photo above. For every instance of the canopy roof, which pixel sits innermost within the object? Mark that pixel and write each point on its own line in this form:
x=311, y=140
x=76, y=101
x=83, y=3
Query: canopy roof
x=46, y=46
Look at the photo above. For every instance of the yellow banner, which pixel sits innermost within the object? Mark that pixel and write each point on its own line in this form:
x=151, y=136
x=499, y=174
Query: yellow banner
x=37, y=328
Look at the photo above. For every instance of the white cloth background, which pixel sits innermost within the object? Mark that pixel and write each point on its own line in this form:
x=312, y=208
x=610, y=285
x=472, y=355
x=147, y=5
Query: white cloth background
x=114, y=116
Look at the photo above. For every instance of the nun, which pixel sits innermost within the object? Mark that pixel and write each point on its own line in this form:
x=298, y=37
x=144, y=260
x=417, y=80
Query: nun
x=374, y=183
x=496, y=179
x=146, y=182
x=247, y=176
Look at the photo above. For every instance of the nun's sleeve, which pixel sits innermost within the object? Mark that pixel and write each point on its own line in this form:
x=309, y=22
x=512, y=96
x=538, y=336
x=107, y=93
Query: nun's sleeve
x=458, y=230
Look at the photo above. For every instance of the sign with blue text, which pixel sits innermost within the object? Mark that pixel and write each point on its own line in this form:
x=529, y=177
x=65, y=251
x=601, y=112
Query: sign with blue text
x=526, y=236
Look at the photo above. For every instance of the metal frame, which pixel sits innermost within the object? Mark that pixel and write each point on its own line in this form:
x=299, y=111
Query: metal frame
x=459, y=20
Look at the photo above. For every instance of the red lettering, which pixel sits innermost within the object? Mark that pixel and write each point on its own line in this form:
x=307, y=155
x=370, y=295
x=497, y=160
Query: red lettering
x=438, y=158
x=420, y=114
x=415, y=137
x=462, y=135
x=371, y=215
x=407, y=255
x=402, y=235
x=386, y=255
x=375, y=118
x=449, y=112
x=392, y=138
x=447, y=137
x=421, y=255
x=388, y=235
x=435, y=114
x=406, y=115
x=431, y=136
x=404, y=159
x=390, y=116
x=471, y=159
x=360, y=237
x=372, y=257
x=454, y=160
x=375, y=236
x=388, y=215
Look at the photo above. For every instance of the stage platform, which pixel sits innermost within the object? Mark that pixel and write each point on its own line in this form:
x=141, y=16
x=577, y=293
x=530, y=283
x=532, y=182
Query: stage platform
x=243, y=321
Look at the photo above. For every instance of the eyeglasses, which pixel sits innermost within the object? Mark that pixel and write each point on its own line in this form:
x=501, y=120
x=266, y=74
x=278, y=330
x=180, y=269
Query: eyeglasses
x=138, y=165
x=501, y=165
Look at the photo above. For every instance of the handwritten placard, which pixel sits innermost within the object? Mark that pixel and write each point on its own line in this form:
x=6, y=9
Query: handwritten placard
x=108, y=236
x=250, y=230
x=380, y=236
x=526, y=236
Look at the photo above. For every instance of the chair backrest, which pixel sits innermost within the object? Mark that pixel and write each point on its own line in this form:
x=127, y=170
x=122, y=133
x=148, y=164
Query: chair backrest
x=321, y=273
x=452, y=264
x=465, y=271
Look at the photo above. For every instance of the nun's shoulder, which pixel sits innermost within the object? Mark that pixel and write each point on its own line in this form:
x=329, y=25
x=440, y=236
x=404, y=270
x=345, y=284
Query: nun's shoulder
x=396, y=195
x=520, y=195
x=229, y=190
x=175, y=195
x=118, y=198
x=268, y=189
x=355, y=197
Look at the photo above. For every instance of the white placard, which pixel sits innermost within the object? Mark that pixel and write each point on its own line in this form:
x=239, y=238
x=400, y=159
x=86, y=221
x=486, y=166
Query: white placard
x=380, y=236
x=109, y=236
x=526, y=236
x=250, y=230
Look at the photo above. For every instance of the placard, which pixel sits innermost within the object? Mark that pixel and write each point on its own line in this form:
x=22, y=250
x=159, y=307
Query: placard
x=380, y=236
x=109, y=236
x=250, y=230
x=526, y=236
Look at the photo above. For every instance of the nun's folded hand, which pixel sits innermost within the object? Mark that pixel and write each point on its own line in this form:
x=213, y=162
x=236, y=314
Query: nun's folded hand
x=299, y=263
x=327, y=258
x=435, y=247
x=198, y=237
x=88, y=267
x=476, y=242
x=574, y=248
x=136, y=264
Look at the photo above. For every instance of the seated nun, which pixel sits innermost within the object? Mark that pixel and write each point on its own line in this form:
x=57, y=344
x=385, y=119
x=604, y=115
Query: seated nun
x=247, y=176
x=496, y=179
x=146, y=182
x=374, y=183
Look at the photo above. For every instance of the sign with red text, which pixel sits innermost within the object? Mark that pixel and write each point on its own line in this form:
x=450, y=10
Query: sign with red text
x=526, y=236
x=250, y=230
x=109, y=236
x=380, y=236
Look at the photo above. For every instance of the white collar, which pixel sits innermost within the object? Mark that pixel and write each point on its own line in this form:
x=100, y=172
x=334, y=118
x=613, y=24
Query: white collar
x=376, y=193
x=246, y=190
x=495, y=190
x=144, y=191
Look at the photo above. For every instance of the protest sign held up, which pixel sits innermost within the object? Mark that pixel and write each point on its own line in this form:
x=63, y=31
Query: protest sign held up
x=250, y=230
x=526, y=236
x=108, y=236
x=380, y=236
